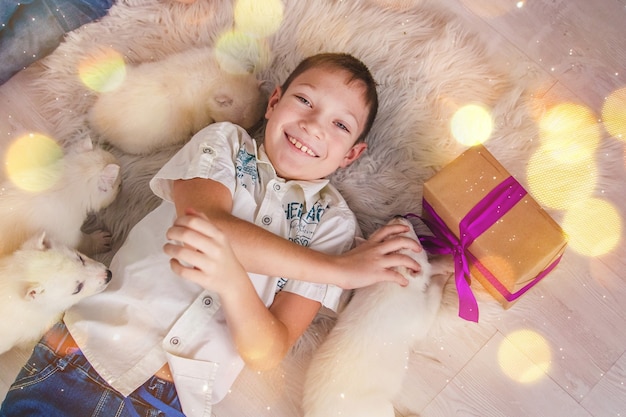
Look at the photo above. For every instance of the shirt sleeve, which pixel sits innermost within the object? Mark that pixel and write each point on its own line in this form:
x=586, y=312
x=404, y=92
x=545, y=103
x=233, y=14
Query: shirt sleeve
x=209, y=154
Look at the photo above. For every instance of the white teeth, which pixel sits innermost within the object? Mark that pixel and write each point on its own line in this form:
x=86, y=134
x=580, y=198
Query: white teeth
x=302, y=147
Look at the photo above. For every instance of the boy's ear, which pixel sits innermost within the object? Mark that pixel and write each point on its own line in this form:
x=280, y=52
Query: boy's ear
x=274, y=98
x=353, y=154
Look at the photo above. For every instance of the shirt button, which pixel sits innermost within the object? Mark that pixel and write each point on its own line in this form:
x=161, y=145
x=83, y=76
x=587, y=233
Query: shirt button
x=208, y=149
x=266, y=220
x=276, y=187
x=174, y=341
x=207, y=301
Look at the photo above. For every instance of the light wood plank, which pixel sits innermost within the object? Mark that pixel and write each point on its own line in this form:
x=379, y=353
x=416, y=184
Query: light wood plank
x=576, y=41
x=580, y=324
x=439, y=358
x=482, y=389
x=608, y=398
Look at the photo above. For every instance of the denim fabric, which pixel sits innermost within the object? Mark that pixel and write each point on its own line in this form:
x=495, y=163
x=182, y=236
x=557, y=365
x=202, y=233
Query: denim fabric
x=54, y=386
x=32, y=29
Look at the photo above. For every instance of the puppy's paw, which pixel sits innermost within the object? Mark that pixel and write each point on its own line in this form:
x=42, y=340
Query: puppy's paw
x=98, y=241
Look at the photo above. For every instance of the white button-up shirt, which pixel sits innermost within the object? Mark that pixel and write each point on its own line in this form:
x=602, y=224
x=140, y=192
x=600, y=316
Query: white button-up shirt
x=149, y=316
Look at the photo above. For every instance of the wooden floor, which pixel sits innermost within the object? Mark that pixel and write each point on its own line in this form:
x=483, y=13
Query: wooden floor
x=561, y=350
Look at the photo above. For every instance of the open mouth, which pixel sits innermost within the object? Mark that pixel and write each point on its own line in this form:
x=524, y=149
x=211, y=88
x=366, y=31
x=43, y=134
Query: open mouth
x=302, y=147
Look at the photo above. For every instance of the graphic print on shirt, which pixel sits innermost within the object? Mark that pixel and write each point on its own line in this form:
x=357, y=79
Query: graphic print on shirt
x=302, y=225
x=246, y=167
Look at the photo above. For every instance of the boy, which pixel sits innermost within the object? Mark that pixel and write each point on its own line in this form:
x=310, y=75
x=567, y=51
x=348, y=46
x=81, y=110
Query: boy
x=152, y=341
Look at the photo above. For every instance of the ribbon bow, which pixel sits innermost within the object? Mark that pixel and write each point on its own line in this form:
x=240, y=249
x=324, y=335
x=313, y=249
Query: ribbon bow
x=480, y=218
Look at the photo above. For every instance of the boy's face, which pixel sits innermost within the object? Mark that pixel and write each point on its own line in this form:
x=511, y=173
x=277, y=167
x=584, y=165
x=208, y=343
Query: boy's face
x=312, y=127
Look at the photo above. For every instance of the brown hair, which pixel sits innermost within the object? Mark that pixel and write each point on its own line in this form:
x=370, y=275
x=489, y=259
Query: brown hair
x=358, y=72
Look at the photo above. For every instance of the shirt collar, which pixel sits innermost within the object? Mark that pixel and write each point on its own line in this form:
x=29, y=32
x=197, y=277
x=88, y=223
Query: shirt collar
x=309, y=187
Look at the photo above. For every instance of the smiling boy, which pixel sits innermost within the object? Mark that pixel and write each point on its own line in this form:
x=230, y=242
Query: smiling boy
x=154, y=341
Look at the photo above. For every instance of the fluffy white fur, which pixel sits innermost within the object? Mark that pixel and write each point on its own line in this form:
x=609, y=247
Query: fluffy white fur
x=89, y=181
x=359, y=369
x=165, y=102
x=39, y=282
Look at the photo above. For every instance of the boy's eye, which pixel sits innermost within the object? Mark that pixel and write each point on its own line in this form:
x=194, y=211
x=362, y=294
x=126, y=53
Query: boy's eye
x=303, y=100
x=342, y=126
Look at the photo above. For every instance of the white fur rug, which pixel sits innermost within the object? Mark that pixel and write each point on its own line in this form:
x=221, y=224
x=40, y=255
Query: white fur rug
x=426, y=62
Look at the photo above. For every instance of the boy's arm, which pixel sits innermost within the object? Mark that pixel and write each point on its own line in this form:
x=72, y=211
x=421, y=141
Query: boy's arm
x=262, y=336
x=263, y=252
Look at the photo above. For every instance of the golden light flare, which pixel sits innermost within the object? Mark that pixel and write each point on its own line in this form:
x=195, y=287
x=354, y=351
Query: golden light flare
x=560, y=184
x=614, y=114
x=594, y=227
x=104, y=71
x=472, y=124
x=517, y=350
x=240, y=53
x=31, y=162
x=571, y=132
x=258, y=18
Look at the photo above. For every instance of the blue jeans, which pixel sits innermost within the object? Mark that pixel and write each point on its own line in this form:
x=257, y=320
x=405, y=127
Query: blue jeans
x=56, y=385
x=32, y=29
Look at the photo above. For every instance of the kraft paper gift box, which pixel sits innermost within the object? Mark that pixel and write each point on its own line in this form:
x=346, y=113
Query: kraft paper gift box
x=497, y=233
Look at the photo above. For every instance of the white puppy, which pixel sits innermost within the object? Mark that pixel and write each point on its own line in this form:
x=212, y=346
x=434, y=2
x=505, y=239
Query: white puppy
x=39, y=282
x=165, y=102
x=87, y=180
x=359, y=368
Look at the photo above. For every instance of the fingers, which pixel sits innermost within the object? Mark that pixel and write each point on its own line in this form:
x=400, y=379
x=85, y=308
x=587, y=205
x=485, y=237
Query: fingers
x=392, y=236
x=395, y=276
x=387, y=231
x=194, y=240
x=193, y=229
x=185, y=255
x=187, y=272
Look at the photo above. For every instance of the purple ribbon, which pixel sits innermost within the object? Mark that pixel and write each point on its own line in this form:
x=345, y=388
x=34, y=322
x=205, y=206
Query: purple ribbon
x=480, y=218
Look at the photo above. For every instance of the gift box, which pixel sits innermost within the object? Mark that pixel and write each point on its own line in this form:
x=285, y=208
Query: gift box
x=498, y=234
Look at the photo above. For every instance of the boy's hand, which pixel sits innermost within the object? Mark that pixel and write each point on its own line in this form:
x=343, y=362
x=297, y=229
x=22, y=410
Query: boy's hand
x=205, y=256
x=373, y=260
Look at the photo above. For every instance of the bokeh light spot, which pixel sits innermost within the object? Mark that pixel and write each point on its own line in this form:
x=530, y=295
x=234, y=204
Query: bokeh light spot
x=258, y=18
x=239, y=53
x=514, y=354
x=594, y=227
x=614, y=114
x=570, y=131
x=31, y=162
x=472, y=124
x=560, y=184
x=104, y=71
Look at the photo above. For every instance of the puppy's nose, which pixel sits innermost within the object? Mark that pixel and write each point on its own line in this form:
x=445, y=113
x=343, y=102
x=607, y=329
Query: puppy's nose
x=109, y=276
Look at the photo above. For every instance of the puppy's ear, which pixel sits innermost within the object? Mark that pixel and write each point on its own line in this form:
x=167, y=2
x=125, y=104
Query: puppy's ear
x=33, y=292
x=223, y=100
x=83, y=145
x=108, y=177
x=38, y=242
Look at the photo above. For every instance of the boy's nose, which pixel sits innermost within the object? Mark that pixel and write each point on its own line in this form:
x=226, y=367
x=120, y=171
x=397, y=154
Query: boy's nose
x=312, y=127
